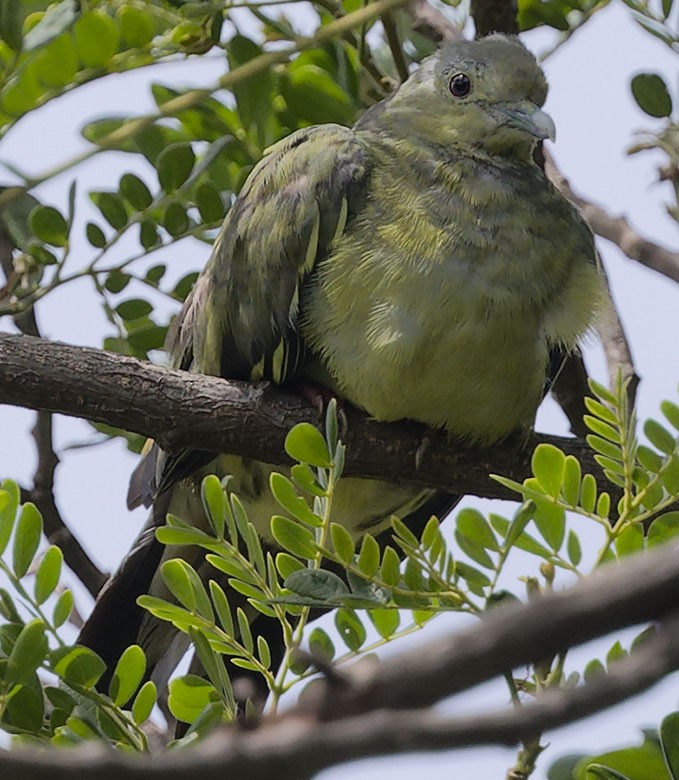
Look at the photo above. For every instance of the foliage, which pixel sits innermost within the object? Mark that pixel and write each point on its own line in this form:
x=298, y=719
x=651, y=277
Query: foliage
x=180, y=169
x=33, y=654
x=386, y=592
x=655, y=759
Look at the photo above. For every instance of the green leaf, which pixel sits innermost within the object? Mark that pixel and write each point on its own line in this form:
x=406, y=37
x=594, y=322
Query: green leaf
x=305, y=444
x=26, y=539
x=222, y=607
x=599, y=772
x=321, y=646
x=148, y=234
x=572, y=476
x=134, y=309
x=615, y=653
x=112, y=208
x=603, y=505
x=293, y=537
x=176, y=220
x=390, y=568
x=593, y=669
x=588, y=493
x=519, y=522
x=127, y=675
x=350, y=628
x=312, y=94
x=474, y=550
x=182, y=574
x=254, y=96
x=386, y=621
x=287, y=565
x=62, y=609
x=306, y=480
x=174, y=166
x=96, y=39
x=669, y=741
x=649, y=459
x=95, y=235
x=651, y=94
x=49, y=225
x=573, y=548
x=189, y=695
x=629, y=541
x=9, y=503
x=9, y=611
x=135, y=192
x=136, y=26
x=663, y=529
x=184, y=285
x=317, y=584
x=671, y=412
x=144, y=702
x=214, y=503
x=28, y=653
x=58, y=18
x=209, y=202
x=550, y=520
x=659, y=436
x=11, y=24
x=670, y=476
x=472, y=524
x=369, y=556
x=78, y=666
x=548, y=463
x=244, y=630
x=57, y=63
x=156, y=273
x=343, y=542
x=47, y=574
x=605, y=447
x=284, y=492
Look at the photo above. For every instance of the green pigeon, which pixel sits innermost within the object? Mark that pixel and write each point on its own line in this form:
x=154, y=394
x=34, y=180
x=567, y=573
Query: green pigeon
x=419, y=266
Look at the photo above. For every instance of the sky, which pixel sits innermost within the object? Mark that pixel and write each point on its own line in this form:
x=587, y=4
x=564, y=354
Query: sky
x=596, y=119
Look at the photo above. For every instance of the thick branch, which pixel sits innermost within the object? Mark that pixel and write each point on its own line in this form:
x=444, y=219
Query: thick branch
x=179, y=410
x=494, y=16
x=642, y=589
x=298, y=745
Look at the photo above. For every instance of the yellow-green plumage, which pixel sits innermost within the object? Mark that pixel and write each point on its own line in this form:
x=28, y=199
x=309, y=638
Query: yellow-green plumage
x=420, y=265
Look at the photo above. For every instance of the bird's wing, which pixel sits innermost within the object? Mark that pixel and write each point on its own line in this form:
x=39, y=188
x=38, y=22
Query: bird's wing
x=241, y=319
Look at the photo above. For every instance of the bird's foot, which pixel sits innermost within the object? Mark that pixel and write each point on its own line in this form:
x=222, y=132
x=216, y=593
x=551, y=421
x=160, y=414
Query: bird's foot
x=320, y=396
x=428, y=438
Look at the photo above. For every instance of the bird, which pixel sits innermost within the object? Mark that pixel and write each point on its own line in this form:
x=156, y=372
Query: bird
x=418, y=265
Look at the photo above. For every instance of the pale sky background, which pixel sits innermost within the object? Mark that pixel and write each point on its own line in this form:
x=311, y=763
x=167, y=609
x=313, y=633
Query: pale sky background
x=595, y=117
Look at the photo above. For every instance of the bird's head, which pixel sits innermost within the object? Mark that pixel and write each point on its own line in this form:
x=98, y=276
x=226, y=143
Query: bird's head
x=486, y=95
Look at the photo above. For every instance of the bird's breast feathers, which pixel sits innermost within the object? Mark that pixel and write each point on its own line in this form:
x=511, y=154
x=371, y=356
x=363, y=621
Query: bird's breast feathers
x=444, y=311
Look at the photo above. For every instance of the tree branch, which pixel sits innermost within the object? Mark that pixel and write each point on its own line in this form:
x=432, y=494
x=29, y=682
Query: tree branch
x=42, y=493
x=619, y=231
x=494, y=16
x=181, y=410
x=319, y=734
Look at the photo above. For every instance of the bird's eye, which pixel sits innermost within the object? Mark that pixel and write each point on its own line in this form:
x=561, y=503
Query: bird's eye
x=460, y=85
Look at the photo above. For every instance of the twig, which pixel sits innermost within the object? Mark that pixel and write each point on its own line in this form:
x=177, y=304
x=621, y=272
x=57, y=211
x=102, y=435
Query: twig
x=609, y=325
x=619, y=231
x=42, y=493
x=431, y=23
x=494, y=16
x=393, y=39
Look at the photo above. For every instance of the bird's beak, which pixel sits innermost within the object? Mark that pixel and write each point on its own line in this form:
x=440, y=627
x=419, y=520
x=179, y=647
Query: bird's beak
x=527, y=116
